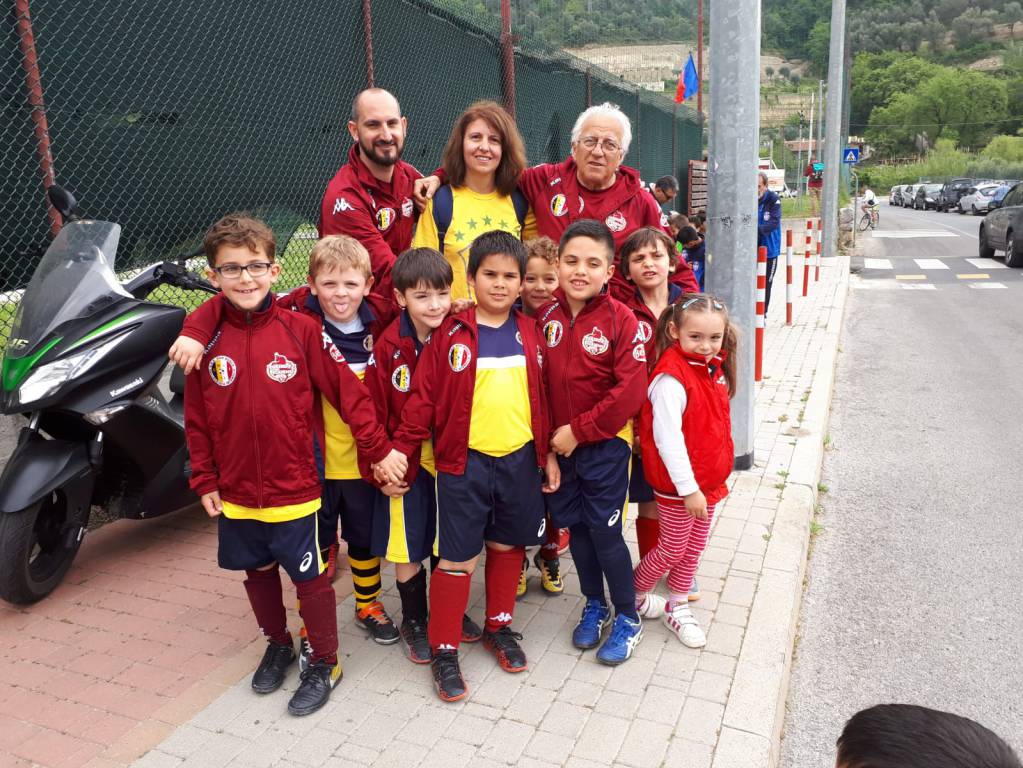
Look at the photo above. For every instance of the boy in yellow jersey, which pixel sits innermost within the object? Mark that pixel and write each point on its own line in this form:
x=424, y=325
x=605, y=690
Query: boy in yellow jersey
x=248, y=423
x=479, y=387
x=338, y=297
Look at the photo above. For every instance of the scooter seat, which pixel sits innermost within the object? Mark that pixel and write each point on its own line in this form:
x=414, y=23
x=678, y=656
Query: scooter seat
x=177, y=381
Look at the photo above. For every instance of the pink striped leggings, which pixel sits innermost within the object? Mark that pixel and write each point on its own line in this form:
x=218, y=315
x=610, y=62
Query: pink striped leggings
x=679, y=546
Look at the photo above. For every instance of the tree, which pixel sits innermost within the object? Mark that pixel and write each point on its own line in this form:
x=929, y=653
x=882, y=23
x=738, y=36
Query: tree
x=891, y=129
x=769, y=71
x=784, y=71
x=973, y=26
x=1007, y=148
x=818, y=46
x=795, y=79
x=962, y=100
x=878, y=77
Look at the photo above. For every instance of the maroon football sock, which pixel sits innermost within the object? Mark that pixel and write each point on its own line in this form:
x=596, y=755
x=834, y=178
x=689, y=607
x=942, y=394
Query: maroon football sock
x=549, y=550
x=267, y=601
x=318, y=606
x=502, y=577
x=648, y=529
x=449, y=596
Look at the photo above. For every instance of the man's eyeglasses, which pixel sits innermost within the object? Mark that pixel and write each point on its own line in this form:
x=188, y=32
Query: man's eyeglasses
x=255, y=269
x=608, y=145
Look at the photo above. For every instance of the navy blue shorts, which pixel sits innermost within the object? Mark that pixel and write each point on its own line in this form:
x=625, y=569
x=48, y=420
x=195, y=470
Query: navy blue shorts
x=496, y=499
x=351, y=502
x=404, y=528
x=248, y=545
x=639, y=489
x=594, y=486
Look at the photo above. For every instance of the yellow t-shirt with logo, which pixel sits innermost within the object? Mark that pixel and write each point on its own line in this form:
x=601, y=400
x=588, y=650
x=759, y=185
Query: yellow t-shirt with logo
x=501, y=418
x=472, y=214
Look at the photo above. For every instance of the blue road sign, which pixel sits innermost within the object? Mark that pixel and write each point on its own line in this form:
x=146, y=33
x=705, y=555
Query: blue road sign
x=851, y=155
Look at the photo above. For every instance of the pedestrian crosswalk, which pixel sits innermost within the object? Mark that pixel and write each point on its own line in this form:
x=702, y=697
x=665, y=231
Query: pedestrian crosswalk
x=934, y=264
x=934, y=274
x=905, y=234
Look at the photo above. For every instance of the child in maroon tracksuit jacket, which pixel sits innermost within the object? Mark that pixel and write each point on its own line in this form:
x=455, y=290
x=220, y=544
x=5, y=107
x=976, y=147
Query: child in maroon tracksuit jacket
x=248, y=420
x=596, y=372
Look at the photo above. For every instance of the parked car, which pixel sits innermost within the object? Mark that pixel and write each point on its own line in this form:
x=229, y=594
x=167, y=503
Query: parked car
x=976, y=199
x=1002, y=229
x=926, y=196
x=951, y=191
x=908, y=194
x=999, y=195
x=894, y=194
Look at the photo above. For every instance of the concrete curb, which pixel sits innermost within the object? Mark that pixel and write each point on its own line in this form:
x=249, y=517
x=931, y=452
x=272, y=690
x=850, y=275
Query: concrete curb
x=751, y=730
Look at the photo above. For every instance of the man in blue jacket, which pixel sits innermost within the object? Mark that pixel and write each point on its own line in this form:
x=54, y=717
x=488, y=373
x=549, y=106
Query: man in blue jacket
x=768, y=230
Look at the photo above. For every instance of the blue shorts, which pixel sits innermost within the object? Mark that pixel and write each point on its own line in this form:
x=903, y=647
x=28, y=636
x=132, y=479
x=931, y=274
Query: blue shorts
x=404, y=528
x=640, y=491
x=594, y=486
x=248, y=545
x=495, y=499
x=351, y=502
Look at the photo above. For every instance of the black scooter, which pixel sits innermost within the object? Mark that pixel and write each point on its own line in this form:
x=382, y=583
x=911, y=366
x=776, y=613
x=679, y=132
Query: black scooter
x=83, y=364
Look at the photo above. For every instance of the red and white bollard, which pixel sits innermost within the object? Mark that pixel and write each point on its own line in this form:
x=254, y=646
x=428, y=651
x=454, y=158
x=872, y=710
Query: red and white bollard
x=761, y=301
x=817, y=264
x=806, y=256
x=788, y=277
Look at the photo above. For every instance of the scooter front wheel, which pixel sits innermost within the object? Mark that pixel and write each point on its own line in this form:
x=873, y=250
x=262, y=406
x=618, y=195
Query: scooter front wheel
x=37, y=545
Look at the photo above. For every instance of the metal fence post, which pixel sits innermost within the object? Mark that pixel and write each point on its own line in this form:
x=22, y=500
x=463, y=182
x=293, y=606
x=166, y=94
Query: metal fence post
x=367, y=30
x=507, y=59
x=34, y=87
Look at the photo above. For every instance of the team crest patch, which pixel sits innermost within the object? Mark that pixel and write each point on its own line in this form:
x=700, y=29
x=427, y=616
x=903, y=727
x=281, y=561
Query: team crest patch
x=223, y=371
x=335, y=354
x=385, y=218
x=407, y=208
x=553, y=332
x=616, y=222
x=281, y=369
x=518, y=337
x=664, y=220
x=459, y=357
x=643, y=332
x=595, y=342
x=559, y=205
x=401, y=378
x=367, y=343
x=639, y=352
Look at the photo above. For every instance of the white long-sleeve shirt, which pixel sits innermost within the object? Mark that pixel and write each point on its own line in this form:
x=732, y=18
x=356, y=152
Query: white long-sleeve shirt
x=668, y=398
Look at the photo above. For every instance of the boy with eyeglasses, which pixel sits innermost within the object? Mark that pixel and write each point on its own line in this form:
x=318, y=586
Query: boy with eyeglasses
x=249, y=414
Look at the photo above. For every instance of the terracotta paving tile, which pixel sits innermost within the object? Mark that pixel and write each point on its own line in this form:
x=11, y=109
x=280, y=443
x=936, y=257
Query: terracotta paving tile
x=85, y=752
x=25, y=704
x=61, y=715
x=101, y=727
x=64, y=685
x=14, y=731
x=139, y=740
x=102, y=762
x=53, y=629
x=48, y=748
x=149, y=678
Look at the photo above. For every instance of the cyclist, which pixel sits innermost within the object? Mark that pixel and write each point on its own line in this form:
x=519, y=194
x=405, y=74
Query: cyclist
x=869, y=201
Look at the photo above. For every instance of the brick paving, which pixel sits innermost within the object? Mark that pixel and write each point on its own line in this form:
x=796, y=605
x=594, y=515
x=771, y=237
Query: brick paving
x=143, y=655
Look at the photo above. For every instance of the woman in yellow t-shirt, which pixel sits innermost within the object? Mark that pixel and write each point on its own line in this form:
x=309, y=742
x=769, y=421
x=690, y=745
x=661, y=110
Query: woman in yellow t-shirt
x=482, y=162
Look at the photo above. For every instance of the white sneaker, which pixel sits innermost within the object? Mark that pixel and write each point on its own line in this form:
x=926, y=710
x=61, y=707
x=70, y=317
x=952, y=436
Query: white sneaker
x=652, y=606
x=682, y=622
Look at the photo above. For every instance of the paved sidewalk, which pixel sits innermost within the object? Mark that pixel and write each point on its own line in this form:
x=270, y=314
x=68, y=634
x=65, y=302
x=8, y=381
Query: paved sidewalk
x=669, y=705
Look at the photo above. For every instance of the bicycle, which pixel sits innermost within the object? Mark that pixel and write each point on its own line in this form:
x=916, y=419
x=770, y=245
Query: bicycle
x=870, y=218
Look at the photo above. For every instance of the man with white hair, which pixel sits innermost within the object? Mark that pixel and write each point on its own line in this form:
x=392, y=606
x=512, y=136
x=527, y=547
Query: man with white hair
x=592, y=183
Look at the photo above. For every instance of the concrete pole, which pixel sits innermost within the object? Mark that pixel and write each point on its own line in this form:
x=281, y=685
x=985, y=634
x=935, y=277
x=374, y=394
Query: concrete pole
x=732, y=190
x=834, y=140
x=820, y=120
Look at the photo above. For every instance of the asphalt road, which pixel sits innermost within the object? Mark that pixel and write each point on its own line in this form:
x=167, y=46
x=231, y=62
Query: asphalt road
x=915, y=584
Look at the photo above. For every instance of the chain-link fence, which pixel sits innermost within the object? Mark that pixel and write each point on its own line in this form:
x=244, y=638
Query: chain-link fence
x=164, y=116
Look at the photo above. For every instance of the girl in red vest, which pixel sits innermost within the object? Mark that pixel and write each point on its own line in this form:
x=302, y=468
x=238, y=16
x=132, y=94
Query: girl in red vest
x=686, y=440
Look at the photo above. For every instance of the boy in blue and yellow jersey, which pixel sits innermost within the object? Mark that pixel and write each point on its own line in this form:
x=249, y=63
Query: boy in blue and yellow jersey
x=338, y=296
x=404, y=525
x=248, y=421
x=479, y=386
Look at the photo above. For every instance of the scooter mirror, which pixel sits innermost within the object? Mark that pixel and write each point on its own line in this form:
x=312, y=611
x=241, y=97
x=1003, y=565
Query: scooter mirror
x=63, y=201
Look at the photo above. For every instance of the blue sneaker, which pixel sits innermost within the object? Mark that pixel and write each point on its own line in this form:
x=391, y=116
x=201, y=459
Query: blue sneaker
x=625, y=636
x=595, y=620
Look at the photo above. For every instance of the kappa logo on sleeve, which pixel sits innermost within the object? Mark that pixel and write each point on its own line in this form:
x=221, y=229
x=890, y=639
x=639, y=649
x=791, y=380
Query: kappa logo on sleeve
x=401, y=379
x=281, y=369
x=595, y=342
x=459, y=357
x=223, y=371
x=341, y=205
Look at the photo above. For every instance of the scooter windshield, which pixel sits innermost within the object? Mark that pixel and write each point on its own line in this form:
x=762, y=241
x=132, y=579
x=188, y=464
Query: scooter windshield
x=74, y=279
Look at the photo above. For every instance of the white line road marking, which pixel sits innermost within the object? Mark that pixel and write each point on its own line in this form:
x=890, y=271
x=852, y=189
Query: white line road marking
x=877, y=263
x=903, y=234
x=987, y=264
x=931, y=264
x=919, y=287
x=986, y=285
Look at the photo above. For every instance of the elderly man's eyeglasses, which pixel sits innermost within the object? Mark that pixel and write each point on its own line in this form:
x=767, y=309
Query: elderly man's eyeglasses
x=608, y=145
x=255, y=269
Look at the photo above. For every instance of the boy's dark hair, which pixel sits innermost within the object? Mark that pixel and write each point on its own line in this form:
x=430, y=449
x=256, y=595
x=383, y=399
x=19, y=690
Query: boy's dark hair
x=421, y=266
x=496, y=241
x=238, y=229
x=594, y=230
x=687, y=235
x=697, y=219
x=641, y=238
x=667, y=184
x=908, y=736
